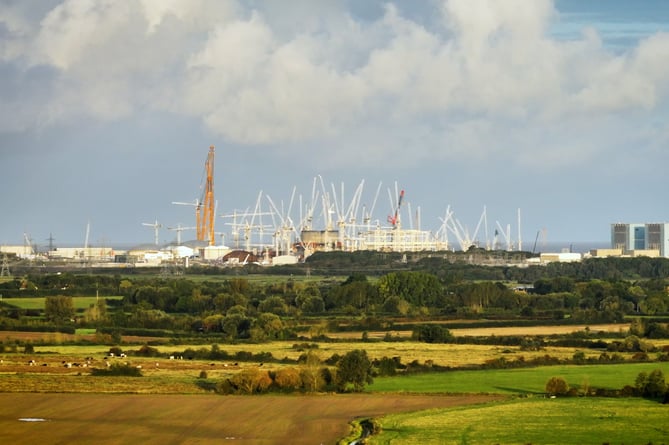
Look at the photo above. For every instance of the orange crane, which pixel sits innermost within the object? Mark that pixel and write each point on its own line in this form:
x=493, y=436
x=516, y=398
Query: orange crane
x=206, y=208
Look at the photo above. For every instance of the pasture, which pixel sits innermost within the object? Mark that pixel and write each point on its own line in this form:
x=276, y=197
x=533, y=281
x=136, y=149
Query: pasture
x=561, y=421
x=440, y=354
x=517, y=381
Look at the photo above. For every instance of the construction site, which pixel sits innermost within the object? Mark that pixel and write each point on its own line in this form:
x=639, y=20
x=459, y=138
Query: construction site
x=271, y=232
x=326, y=219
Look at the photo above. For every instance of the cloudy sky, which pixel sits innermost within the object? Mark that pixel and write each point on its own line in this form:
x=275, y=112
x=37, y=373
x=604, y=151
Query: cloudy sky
x=107, y=110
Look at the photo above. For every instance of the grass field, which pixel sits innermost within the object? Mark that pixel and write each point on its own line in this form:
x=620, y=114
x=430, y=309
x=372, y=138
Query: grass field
x=578, y=421
x=32, y=303
x=517, y=381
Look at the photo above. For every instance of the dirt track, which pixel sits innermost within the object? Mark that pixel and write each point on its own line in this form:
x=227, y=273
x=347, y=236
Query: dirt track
x=198, y=419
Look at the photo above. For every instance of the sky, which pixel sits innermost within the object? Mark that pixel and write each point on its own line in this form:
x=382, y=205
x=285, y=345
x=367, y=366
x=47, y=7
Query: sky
x=107, y=111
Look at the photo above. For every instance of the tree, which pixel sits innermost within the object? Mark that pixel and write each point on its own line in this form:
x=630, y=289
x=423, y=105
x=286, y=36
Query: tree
x=97, y=311
x=267, y=326
x=557, y=386
x=275, y=305
x=59, y=309
x=418, y=288
x=251, y=380
x=312, y=378
x=651, y=385
x=354, y=368
x=432, y=333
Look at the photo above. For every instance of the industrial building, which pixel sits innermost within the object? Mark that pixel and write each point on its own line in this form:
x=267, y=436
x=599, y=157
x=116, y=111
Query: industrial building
x=641, y=239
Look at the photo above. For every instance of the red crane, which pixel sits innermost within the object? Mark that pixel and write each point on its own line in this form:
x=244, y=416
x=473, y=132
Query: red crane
x=394, y=219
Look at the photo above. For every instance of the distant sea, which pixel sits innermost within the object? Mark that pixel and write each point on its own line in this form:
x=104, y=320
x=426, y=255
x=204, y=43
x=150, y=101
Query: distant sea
x=566, y=246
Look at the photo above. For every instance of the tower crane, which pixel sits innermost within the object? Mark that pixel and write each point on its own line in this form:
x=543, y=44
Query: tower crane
x=156, y=226
x=198, y=210
x=179, y=228
x=206, y=228
x=394, y=219
x=205, y=207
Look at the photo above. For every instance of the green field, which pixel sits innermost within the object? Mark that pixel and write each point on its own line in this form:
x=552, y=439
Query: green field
x=534, y=421
x=37, y=303
x=517, y=381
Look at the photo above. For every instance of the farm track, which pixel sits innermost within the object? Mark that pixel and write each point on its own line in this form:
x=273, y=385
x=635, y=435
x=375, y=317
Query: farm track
x=200, y=419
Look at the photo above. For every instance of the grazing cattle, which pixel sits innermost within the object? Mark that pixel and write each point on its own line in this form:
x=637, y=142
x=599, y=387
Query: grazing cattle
x=171, y=357
x=32, y=363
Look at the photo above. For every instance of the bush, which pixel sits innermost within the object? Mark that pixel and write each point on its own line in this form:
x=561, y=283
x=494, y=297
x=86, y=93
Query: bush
x=557, y=386
x=118, y=369
x=432, y=333
x=651, y=385
x=288, y=379
x=148, y=351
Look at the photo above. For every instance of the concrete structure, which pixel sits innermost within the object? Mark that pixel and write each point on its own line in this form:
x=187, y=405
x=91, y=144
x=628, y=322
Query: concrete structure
x=562, y=257
x=604, y=253
x=641, y=238
x=214, y=252
x=83, y=253
x=651, y=253
x=21, y=251
x=149, y=256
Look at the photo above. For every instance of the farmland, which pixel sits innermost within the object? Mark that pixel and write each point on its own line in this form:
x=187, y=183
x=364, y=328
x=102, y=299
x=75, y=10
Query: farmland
x=202, y=419
x=441, y=414
x=447, y=352
x=583, y=421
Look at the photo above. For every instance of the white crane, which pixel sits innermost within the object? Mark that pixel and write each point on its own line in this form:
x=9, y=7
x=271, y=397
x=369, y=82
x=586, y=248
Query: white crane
x=285, y=228
x=156, y=227
x=179, y=228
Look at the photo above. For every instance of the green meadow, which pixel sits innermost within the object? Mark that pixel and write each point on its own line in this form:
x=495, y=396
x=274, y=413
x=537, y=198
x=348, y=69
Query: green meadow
x=535, y=421
x=517, y=381
x=37, y=303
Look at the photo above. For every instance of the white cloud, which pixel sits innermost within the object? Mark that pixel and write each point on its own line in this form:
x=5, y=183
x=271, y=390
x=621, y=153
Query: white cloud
x=491, y=81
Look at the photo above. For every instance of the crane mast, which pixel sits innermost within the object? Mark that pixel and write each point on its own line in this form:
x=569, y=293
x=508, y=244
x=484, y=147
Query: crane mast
x=205, y=210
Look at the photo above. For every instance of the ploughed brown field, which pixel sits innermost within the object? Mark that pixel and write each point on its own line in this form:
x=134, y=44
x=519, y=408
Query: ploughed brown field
x=28, y=418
